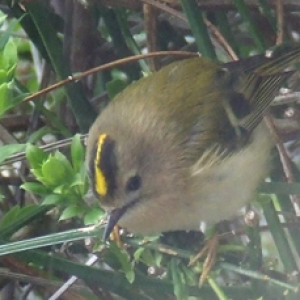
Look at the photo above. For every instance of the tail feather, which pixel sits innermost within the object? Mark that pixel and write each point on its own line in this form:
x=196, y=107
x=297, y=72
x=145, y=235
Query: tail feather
x=260, y=84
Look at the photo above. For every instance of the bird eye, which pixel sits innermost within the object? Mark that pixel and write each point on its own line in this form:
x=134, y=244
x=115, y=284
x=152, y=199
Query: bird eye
x=133, y=183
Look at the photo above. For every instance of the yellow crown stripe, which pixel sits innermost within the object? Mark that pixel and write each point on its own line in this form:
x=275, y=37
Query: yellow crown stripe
x=100, y=181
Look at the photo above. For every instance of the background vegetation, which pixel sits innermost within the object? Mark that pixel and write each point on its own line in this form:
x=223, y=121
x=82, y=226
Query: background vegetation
x=45, y=253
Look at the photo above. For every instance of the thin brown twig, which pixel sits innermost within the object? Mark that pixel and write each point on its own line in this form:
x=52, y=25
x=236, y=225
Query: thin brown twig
x=166, y=9
x=215, y=5
x=74, y=78
x=285, y=161
x=214, y=30
x=38, y=280
x=150, y=17
x=280, y=23
x=221, y=39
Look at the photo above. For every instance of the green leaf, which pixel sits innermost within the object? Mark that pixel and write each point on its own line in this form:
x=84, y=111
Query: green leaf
x=52, y=199
x=17, y=217
x=10, y=55
x=80, y=182
x=57, y=170
x=35, y=156
x=10, y=216
x=179, y=285
x=7, y=33
x=10, y=73
x=124, y=258
x=35, y=187
x=8, y=150
x=115, y=86
x=77, y=153
x=65, y=162
x=53, y=171
x=61, y=189
x=3, y=76
x=77, y=180
x=93, y=216
x=147, y=257
x=3, y=17
x=138, y=253
x=158, y=258
x=38, y=175
x=4, y=103
x=38, y=134
x=70, y=212
x=7, y=99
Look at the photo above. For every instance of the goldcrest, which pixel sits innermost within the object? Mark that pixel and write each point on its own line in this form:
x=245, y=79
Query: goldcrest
x=186, y=144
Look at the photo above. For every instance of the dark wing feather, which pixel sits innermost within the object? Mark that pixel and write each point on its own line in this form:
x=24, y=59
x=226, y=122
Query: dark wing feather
x=261, y=82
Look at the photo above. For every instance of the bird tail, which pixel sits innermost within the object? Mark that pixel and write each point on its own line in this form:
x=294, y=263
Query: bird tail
x=262, y=78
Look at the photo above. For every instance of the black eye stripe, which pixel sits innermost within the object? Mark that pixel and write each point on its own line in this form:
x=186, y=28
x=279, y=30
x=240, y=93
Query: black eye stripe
x=103, y=166
x=91, y=168
x=108, y=164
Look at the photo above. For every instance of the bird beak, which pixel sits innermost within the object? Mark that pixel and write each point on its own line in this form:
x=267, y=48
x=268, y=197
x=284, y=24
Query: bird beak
x=113, y=218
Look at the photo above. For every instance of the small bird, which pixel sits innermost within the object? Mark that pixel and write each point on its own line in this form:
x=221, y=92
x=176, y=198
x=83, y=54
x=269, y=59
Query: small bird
x=186, y=144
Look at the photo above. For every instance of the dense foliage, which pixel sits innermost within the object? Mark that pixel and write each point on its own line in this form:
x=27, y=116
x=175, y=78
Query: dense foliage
x=47, y=215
